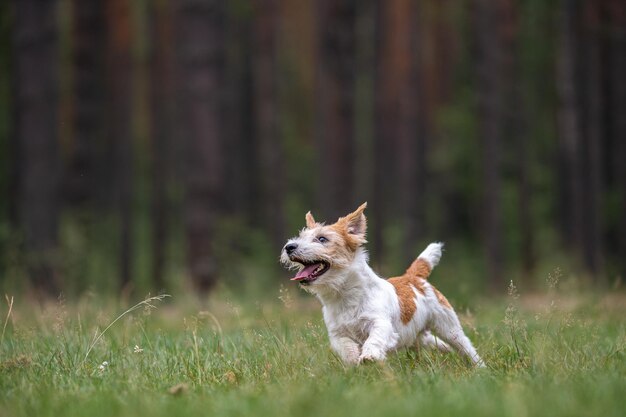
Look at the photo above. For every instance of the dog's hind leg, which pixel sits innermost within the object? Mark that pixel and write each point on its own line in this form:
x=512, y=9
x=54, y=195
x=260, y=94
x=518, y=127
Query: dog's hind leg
x=430, y=341
x=447, y=326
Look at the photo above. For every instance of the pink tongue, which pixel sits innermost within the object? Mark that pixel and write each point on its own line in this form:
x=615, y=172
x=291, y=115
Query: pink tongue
x=305, y=273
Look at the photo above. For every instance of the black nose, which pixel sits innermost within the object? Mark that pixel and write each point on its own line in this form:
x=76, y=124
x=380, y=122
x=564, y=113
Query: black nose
x=290, y=248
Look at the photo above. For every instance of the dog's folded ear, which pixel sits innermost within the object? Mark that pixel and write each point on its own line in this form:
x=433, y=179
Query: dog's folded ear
x=356, y=222
x=310, y=221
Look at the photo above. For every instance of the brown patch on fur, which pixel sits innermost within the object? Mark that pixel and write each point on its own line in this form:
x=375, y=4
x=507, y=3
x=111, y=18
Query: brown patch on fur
x=419, y=268
x=442, y=299
x=414, y=277
x=404, y=291
x=404, y=286
x=352, y=228
x=352, y=242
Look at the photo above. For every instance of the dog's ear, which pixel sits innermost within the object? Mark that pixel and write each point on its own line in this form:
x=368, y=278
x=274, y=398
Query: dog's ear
x=356, y=223
x=310, y=221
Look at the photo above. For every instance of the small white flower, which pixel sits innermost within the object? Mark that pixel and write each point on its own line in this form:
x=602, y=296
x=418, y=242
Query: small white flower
x=137, y=349
x=103, y=367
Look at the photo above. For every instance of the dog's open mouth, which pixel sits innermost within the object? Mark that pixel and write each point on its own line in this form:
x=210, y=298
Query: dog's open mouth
x=311, y=271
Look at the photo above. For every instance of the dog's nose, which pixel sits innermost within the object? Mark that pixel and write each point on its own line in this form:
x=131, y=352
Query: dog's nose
x=290, y=248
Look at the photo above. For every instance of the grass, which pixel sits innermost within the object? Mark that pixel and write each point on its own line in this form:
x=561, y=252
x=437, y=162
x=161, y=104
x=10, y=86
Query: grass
x=547, y=354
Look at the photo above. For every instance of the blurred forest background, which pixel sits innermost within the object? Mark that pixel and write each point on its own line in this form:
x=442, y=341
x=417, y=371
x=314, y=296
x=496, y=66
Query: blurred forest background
x=165, y=145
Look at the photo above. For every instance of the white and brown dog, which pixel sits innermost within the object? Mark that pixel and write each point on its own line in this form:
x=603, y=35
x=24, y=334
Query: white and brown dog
x=368, y=316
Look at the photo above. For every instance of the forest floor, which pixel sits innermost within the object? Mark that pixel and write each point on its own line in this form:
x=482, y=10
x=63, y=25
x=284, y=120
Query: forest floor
x=547, y=354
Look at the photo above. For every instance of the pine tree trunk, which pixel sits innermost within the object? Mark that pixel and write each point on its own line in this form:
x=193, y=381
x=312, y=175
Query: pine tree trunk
x=36, y=110
x=336, y=24
x=10, y=160
x=411, y=150
x=592, y=141
x=569, y=127
x=241, y=172
x=397, y=119
x=162, y=112
x=199, y=81
x=119, y=72
x=617, y=51
x=272, y=174
x=88, y=63
x=385, y=137
x=516, y=118
x=490, y=88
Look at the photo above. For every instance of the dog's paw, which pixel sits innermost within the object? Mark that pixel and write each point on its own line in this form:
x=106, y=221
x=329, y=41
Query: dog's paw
x=351, y=359
x=371, y=355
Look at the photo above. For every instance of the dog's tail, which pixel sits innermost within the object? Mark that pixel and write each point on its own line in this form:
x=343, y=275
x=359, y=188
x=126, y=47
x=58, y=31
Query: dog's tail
x=424, y=264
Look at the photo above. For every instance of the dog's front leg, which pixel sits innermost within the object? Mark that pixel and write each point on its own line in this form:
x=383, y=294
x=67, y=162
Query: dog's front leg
x=381, y=339
x=347, y=349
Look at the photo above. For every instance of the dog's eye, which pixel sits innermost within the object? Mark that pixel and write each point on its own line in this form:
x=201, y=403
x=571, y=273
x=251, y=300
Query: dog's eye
x=322, y=239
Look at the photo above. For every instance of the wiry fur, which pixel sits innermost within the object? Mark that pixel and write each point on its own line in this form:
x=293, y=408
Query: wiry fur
x=368, y=316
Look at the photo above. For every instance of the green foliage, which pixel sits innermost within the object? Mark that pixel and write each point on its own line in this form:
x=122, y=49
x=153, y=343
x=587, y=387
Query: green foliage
x=553, y=355
x=247, y=264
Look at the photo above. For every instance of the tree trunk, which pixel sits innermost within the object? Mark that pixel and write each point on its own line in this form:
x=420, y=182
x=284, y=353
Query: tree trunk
x=524, y=189
x=516, y=118
x=617, y=14
x=490, y=88
x=88, y=63
x=272, y=175
x=36, y=108
x=199, y=77
x=162, y=127
x=9, y=142
x=397, y=116
x=592, y=142
x=411, y=150
x=385, y=137
x=119, y=72
x=336, y=25
x=569, y=127
x=242, y=171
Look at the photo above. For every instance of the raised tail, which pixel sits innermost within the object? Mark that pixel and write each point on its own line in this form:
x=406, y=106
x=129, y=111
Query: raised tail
x=428, y=259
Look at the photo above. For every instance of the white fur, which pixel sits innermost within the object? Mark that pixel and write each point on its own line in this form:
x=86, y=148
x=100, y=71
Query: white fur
x=432, y=254
x=362, y=311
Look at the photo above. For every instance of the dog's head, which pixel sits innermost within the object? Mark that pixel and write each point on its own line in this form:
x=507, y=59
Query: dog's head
x=321, y=251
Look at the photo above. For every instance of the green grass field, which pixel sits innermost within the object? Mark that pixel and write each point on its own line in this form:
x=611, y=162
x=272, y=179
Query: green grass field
x=548, y=354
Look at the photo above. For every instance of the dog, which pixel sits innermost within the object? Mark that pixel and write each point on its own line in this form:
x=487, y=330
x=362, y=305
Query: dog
x=366, y=316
